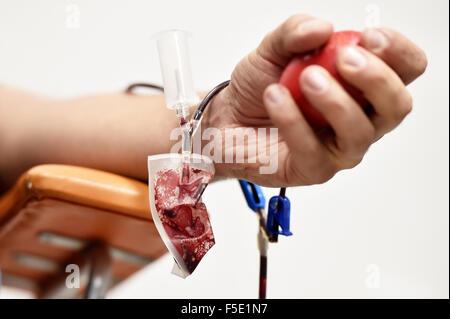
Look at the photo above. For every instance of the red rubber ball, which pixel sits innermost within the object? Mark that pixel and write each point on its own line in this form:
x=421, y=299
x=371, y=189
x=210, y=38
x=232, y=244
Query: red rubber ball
x=326, y=58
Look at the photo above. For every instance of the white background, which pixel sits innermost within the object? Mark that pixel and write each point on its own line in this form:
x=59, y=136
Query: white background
x=387, y=218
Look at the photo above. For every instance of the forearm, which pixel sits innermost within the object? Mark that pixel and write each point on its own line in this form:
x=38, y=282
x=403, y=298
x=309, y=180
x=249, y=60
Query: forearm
x=112, y=132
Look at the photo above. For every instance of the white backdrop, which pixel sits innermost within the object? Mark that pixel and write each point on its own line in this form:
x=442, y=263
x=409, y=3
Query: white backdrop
x=379, y=230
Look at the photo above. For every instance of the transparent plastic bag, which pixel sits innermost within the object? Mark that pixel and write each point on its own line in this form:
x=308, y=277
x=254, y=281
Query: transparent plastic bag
x=178, y=212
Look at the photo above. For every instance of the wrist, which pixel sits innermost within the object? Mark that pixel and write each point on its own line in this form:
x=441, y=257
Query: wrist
x=216, y=120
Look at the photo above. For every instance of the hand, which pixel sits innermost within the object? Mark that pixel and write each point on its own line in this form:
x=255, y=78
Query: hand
x=380, y=70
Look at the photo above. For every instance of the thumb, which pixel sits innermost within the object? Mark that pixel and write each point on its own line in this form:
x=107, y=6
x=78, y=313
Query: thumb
x=299, y=34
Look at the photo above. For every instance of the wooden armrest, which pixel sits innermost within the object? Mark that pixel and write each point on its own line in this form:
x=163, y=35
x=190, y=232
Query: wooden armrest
x=51, y=207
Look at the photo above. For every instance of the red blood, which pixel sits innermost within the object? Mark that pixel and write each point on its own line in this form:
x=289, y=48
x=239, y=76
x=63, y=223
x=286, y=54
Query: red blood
x=325, y=57
x=184, y=218
x=197, y=228
x=180, y=217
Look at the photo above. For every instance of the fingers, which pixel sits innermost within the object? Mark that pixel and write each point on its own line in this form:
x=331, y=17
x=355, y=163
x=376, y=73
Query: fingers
x=308, y=153
x=401, y=54
x=300, y=33
x=290, y=122
x=380, y=85
x=353, y=129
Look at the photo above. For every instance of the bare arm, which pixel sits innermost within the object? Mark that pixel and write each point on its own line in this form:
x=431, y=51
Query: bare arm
x=116, y=132
x=113, y=132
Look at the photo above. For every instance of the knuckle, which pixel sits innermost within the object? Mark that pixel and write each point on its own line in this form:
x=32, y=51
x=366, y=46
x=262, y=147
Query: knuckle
x=422, y=63
x=353, y=163
x=289, y=121
x=293, y=21
x=404, y=106
x=297, y=18
x=366, y=137
x=337, y=103
x=323, y=169
x=268, y=37
x=320, y=169
x=360, y=142
x=379, y=80
x=326, y=173
x=346, y=162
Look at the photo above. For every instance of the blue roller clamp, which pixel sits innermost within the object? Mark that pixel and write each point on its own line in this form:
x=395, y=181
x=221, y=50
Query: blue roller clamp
x=253, y=195
x=279, y=208
x=279, y=216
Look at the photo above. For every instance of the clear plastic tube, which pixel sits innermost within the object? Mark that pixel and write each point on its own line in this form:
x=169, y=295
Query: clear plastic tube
x=176, y=71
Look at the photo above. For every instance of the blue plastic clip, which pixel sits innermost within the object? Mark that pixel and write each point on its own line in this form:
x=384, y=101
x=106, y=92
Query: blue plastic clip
x=254, y=195
x=279, y=216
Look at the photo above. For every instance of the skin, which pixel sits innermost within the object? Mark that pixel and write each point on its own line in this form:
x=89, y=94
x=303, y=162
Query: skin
x=305, y=156
x=116, y=132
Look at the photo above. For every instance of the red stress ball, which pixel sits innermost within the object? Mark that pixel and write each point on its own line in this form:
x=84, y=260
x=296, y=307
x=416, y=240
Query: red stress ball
x=325, y=57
